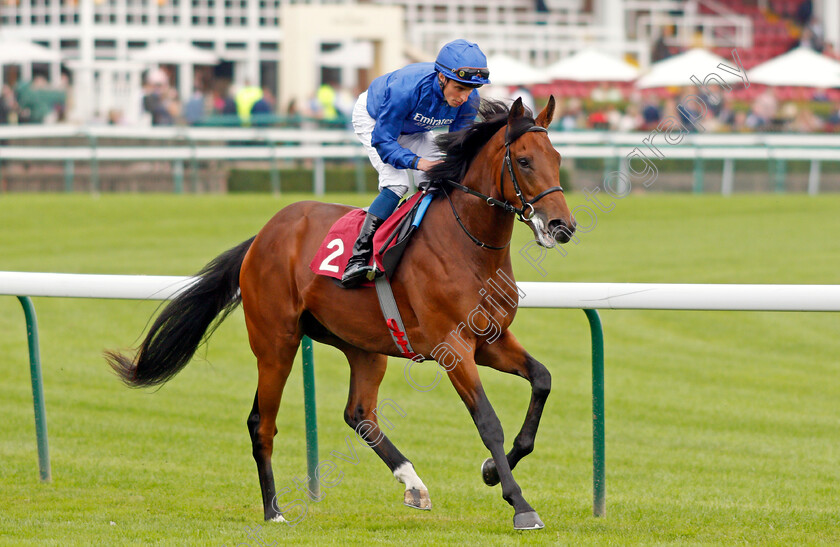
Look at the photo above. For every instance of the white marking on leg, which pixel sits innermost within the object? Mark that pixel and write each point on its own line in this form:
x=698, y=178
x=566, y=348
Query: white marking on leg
x=406, y=475
x=278, y=518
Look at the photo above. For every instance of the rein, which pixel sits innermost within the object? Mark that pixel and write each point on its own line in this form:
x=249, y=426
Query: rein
x=493, y=202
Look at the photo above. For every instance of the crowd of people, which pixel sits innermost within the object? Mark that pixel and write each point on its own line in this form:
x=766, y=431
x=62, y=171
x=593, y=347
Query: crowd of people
x=211, y=103
x=217, y=102
x=35, y=101
x=643, y=111
x=606, y=108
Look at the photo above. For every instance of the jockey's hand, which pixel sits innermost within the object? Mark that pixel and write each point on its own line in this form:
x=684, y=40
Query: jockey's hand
x=425, y=165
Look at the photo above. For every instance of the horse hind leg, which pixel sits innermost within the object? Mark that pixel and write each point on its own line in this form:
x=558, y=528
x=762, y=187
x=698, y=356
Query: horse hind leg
x=363, y=414
x=262, y=421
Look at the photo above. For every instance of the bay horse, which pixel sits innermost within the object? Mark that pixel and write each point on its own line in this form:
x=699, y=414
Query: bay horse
x=488, y=169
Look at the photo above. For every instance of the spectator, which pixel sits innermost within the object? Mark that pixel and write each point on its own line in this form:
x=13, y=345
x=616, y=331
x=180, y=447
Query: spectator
x=605, y=93
x=222, y=103
x=37, y=102
x=631, y=120
x=293, y=116
x=263, y=109
x=807, y=122
x=804, y=11
x=808, y=39
x=830, y=52
x=834, y=119
x=763, y=110
x=8, y=106
x=787, y=115
x=245, y=99
x=650, y=112
x=669, y=108
x=817, y=34
x=159, y=100
x=820, y=95
x=194, y=109
x=573, y=115
x=613, y=116
x=598, y=120
x=714, y=92
x=326, y=98
x=726, y=113
x=739, y=122
x=660, y=49
x=690, y=113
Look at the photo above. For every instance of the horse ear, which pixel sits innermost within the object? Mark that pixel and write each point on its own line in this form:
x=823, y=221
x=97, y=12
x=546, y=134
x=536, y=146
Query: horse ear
x=545, y=117
x=516, y=110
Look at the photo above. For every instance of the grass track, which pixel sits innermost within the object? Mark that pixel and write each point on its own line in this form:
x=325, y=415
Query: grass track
x=722, y=427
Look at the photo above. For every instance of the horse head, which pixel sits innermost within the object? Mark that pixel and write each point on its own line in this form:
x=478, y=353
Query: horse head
x=530, y=176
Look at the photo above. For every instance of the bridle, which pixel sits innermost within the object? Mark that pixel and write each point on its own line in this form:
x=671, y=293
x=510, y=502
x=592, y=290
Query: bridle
x=493, y=202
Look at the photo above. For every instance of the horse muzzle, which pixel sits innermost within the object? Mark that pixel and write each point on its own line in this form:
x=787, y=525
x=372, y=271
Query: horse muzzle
x=548, y=234
x=560, y=230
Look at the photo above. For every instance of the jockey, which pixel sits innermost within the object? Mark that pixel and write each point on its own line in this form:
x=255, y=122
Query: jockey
x=393, y=119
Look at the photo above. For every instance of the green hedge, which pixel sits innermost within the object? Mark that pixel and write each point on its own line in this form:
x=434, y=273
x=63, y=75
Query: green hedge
x=337, y=179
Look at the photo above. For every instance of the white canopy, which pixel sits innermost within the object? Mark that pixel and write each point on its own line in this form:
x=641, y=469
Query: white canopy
x=799, y=67
x=591, y=65
x=506, y=70
x=16, y=52
x=678, y=70
x=174, y=52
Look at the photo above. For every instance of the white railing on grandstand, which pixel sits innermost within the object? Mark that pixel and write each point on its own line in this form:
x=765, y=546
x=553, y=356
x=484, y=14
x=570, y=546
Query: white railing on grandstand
x=648, y=296
x=723, y=28
x=332, y=136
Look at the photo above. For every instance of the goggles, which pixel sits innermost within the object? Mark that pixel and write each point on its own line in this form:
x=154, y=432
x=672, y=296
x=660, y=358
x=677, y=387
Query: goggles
x=470, y=73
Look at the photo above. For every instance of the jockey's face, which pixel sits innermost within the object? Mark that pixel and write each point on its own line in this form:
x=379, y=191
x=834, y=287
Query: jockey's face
x=454, y=93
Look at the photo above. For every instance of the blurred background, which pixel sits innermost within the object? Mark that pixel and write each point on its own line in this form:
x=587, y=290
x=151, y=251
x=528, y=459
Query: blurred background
x=238, y=95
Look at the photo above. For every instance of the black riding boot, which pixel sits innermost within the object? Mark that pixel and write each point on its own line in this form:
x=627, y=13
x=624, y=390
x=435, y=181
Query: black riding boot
x=357, y=267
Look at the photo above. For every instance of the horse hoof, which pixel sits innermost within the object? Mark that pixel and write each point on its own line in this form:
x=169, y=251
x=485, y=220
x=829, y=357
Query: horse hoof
x=527, y=521
x=418, y=499
x=489, y=473
x=276, y=518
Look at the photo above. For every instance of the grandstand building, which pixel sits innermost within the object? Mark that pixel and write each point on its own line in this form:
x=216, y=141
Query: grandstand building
x=100, y=42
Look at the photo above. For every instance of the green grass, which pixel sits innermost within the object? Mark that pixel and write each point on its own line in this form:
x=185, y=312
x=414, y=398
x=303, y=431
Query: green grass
x=722, y=427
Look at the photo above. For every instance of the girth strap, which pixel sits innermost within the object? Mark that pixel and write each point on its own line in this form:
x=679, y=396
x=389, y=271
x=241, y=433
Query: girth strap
x=393, y=320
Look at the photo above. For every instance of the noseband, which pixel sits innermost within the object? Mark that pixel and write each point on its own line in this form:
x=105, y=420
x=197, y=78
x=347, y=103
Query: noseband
x=493, y=202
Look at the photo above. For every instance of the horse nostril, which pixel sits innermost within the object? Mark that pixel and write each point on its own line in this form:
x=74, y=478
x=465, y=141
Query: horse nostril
x=561, y=231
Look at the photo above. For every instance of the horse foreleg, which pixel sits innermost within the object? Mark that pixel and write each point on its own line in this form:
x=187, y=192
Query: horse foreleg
x=507, y=355
x=464, y=377
x=363, y=415
x=262, y=422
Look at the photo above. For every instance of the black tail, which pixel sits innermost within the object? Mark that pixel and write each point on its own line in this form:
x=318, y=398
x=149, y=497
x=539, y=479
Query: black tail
x=184, y=322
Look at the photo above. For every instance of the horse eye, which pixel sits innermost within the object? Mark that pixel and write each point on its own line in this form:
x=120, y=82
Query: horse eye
x=523, y=162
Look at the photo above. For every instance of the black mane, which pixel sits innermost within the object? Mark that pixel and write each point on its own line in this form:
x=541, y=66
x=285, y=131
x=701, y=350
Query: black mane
x=461, y=147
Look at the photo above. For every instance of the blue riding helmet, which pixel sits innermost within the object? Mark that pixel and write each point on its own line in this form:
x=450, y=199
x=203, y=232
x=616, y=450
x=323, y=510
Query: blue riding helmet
x=463, y=62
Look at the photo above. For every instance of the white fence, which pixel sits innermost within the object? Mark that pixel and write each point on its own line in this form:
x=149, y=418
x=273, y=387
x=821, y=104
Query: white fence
x=647, y=296
x=587, y=296
x=270, y=145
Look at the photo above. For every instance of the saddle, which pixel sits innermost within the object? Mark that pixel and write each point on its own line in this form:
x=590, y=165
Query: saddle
x=389, y=242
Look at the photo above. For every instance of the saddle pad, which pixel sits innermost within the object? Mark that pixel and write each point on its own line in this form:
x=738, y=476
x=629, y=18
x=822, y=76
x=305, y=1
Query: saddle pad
x=337, y=248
